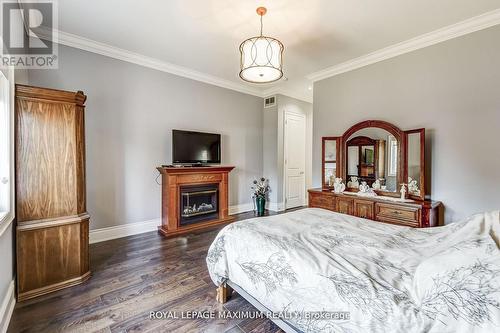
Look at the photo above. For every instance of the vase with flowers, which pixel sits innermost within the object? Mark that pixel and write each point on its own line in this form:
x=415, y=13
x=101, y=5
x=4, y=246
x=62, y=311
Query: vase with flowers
x=260, y=191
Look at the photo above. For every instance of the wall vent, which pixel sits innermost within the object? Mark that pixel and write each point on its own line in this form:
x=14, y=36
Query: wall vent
x=269, y=101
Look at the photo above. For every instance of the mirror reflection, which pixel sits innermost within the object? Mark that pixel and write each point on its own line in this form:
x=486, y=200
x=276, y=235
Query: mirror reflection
x=330, y=159
x=372, y=157
x=414, y=163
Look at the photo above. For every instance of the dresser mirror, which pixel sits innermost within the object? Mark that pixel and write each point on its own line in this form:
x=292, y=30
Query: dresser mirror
x=330, y=150
x=415, y=159
x=372, y=157
x=380, y=154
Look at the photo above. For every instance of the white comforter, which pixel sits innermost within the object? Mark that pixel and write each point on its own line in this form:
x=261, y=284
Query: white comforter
x=389, y=278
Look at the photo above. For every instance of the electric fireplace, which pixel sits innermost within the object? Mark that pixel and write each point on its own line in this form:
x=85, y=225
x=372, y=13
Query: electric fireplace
x=198, y=203
x=193, y=198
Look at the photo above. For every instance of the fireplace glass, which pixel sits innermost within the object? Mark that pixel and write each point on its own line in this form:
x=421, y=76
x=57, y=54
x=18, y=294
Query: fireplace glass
x=198, y=203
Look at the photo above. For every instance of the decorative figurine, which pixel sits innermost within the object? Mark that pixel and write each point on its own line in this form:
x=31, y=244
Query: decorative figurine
x=413, y=186
x=364, y=188
x=338, y=186
x=353, y=183
x=376, y=185
x=403, y=192
x=331, y=180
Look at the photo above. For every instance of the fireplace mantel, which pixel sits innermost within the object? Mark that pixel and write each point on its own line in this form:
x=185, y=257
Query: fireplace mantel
x=173, y=179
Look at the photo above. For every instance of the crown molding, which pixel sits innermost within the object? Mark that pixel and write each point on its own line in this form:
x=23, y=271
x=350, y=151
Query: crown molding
x=93, y=46
x=465, y=27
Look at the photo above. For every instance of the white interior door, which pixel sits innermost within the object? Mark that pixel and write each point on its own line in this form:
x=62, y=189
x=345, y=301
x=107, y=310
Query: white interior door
x=295, y=159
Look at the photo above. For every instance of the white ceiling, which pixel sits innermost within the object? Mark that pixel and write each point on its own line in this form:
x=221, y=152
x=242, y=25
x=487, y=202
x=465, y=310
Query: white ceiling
x=204, y=35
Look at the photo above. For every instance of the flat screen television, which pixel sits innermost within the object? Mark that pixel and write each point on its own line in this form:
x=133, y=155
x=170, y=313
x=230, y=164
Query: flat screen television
x=195, y=147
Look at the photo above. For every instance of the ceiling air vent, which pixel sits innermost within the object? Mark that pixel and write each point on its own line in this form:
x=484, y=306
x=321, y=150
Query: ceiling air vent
x=269, y=101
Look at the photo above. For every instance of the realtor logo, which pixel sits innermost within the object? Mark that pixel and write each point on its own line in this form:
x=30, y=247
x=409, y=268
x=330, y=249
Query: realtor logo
x=29, y=34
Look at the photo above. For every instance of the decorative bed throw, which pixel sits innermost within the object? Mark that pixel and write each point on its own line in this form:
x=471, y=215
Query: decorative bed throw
x=388, y=278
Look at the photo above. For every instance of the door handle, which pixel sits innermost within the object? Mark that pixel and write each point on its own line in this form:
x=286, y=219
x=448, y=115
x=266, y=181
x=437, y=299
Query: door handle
x=5, y=180
x=302, y=172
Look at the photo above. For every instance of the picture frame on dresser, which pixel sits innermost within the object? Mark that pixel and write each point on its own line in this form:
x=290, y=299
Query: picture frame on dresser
x=380, y=143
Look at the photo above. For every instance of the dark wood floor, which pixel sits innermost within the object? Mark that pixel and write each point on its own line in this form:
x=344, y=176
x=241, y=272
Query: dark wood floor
x=135, y=275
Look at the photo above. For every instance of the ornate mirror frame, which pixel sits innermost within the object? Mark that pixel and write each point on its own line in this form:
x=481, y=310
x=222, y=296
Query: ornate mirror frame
x=395, y=131
x=400, y=135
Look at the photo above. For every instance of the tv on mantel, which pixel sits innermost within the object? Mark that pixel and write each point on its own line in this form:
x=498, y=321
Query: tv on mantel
x=198, y=148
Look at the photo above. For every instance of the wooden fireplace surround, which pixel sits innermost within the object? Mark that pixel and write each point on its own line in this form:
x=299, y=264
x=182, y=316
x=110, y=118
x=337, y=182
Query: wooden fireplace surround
x=172, y=180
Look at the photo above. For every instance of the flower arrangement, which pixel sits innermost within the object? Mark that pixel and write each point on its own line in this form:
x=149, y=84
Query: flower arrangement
x=260, y=188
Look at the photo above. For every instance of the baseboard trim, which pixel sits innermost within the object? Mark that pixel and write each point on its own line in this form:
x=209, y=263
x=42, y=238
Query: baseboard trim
x=124, y=230
x=7, y=307
x=242, y=208
x=130, y=229
x=276, y=206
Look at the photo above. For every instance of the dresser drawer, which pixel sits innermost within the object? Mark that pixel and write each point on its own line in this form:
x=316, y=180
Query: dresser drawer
x=405, y=215
x=321, y=200
x=364, y=209
x=345, y=206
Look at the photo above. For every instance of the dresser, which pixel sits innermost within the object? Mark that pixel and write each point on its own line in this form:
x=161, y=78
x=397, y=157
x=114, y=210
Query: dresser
x=367, y=169
x=411, y=213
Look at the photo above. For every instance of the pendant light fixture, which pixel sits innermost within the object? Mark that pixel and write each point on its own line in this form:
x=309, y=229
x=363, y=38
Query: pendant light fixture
x=261, y=58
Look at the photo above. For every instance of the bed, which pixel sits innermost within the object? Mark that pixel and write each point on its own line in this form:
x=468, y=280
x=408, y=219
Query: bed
x=321, y=271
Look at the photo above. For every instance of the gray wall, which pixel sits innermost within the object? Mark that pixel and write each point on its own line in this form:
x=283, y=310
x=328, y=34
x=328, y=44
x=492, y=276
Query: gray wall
x=273, y=153
x=130, y=112
x=270, y=150
x=451, y=89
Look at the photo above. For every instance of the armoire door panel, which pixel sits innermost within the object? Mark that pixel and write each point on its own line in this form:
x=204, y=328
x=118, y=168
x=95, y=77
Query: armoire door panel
x=51, y=258
x=46, y=160
x=52, y=234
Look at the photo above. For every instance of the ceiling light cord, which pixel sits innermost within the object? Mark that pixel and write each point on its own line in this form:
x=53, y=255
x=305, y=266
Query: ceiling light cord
x=261, y=25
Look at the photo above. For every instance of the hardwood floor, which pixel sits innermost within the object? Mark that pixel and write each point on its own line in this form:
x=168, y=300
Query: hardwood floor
x=135, y=275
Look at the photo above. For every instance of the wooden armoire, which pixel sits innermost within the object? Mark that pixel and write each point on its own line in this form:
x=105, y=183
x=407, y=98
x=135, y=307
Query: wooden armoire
x=52, y=220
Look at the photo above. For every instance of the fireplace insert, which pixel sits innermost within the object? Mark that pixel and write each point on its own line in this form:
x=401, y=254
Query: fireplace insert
x=198, y=203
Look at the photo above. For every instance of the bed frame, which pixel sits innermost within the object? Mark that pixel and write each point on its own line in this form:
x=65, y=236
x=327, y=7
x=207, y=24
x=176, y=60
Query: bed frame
x=225, y=290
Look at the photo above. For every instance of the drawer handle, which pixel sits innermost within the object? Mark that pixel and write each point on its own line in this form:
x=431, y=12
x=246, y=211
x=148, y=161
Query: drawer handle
x=397, y=212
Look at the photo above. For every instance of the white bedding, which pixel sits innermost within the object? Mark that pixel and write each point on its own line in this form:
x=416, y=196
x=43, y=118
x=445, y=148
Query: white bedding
x=389, y=278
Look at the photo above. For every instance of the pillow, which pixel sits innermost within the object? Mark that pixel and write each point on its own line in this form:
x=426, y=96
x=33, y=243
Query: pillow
x=459, y=288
